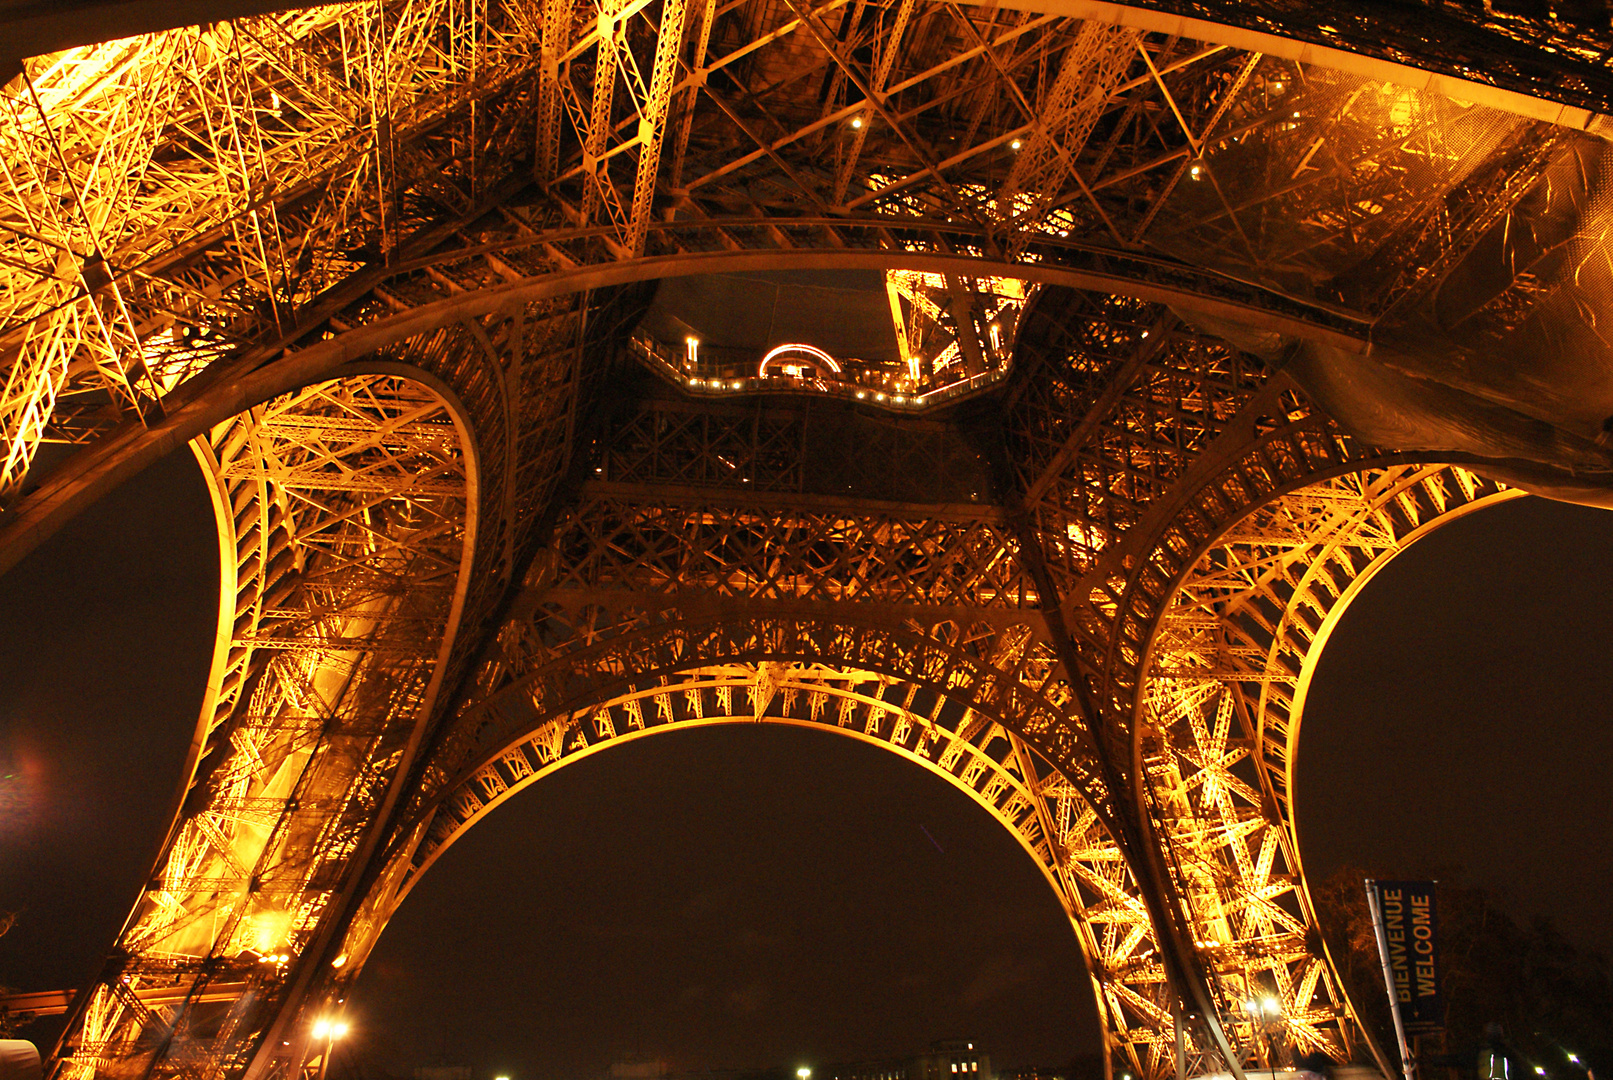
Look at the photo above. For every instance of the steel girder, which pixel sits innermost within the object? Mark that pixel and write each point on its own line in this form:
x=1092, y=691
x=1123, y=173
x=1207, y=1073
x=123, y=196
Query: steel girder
x=930, y=727
x=298, y=175
x=1219, y=721
x=647, y=584
x=319, y=242
x=346, y=512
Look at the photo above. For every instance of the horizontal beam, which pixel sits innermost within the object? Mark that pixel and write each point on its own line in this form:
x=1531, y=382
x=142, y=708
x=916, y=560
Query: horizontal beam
x=696, y=495
x=99, y=468
x=34, y=29
x=1303, y=52
x=56, y=1002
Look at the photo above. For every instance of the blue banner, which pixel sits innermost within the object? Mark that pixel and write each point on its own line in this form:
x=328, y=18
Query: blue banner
x=1408, y=942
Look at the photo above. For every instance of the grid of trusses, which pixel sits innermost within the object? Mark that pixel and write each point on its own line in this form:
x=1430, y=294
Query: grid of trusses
x=218, y=208
x=202, y=200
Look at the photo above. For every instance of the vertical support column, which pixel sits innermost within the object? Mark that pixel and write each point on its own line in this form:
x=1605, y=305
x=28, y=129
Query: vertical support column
x=556, y=36
x=699, y=71
x=599, y=115
x=1153, y=880
x=652, y=122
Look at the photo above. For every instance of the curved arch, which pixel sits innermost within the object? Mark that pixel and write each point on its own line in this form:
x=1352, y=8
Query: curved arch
x=43, y=33
x=1005, y=673
x=475, y=237
x=98, y=468
x=1336, y=613
x=941, y=732
x=1217, y=729
x=347, y=516
x=1206, y=436
x=1351, y=58
x=1000, y=675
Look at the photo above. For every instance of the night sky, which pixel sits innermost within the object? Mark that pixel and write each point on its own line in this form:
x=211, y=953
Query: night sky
x=758, y=896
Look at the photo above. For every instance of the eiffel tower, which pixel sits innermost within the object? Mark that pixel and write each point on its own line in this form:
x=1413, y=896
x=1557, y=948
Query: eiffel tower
x=1194, y=315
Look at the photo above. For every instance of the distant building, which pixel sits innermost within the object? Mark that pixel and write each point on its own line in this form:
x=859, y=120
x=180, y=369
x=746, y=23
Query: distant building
x=949, y=1059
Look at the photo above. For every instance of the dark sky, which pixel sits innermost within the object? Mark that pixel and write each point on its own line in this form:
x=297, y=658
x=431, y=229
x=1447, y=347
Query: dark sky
x=1462, y=717
x=758, y=895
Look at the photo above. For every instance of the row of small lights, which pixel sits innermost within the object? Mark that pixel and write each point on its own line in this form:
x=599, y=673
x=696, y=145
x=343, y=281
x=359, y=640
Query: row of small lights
x=692, y=345
x=739, y=384
x=331, y=1030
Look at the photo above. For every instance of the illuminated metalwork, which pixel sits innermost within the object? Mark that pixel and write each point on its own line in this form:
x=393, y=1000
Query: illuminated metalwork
x=1078, y=548
x=1218, y=721
x=343, y=512
x=986, y=760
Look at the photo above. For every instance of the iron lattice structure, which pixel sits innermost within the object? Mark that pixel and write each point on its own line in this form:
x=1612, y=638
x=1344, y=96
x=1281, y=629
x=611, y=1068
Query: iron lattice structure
x=1227, y=325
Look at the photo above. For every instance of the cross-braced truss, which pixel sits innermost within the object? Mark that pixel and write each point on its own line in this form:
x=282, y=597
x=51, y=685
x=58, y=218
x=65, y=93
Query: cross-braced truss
x=380, y=262
x=1220, y=720
x=936, y=729
x=343, y=512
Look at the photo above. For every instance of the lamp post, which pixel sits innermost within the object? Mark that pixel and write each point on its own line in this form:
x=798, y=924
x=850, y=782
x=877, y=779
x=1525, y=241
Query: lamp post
x=330, y=1031
x=1267, y=1014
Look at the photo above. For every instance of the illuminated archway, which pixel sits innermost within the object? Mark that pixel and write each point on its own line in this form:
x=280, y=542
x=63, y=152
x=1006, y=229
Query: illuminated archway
x=1220, y=718
x=324, y=672
x=917, y=721
x=807, y=358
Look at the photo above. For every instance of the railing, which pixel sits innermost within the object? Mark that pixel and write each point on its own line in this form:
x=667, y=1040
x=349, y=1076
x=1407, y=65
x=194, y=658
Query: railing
x=670, y=363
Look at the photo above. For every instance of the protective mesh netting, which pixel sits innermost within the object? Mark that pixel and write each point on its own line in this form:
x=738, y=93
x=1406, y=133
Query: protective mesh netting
x=1524, y=318
x=1321, y=191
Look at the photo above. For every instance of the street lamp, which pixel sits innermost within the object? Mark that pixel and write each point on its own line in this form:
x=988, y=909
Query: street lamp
x=1267, y=1014
x=804, y=1073
x=330, y=1031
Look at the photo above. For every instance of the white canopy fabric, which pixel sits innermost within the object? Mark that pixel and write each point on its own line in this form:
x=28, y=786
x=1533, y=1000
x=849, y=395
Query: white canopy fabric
x=19, y=1060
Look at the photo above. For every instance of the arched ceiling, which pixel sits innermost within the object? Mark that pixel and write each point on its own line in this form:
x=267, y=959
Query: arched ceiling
x=1431, y=268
